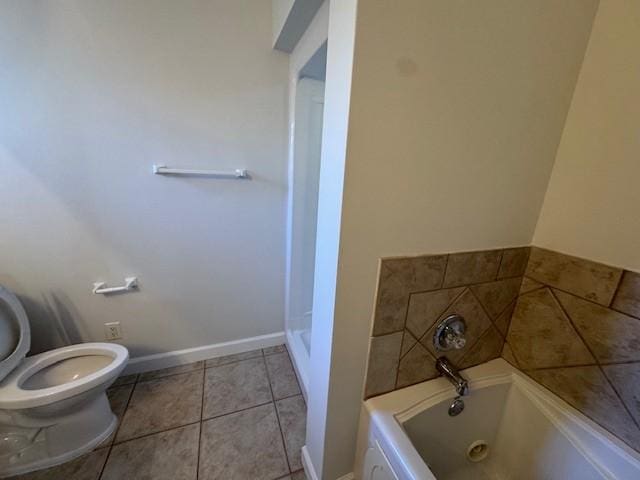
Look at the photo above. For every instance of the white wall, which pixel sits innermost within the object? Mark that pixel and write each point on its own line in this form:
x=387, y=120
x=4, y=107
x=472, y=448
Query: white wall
x=456, y=112
x=91, y=95
x=324, y=371
x=592, y=206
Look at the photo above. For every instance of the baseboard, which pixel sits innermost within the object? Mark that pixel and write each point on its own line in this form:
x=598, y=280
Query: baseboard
x=311, y=472
x=190, y=355
x=308, y=465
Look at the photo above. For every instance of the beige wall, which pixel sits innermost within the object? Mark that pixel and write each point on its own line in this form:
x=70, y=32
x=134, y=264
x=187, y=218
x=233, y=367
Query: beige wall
x=592, y=207
x=456, y=113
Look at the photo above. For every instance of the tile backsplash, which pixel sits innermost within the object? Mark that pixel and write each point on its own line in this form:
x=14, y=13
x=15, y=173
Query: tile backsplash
x=576, y=331
x=415, y=292
x=571, y=324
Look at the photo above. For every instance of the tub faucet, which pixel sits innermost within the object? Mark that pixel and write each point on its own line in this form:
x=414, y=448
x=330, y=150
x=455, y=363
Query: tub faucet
x=452, y=374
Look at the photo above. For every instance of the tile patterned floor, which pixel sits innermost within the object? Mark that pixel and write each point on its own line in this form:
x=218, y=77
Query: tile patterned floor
x=239, y=417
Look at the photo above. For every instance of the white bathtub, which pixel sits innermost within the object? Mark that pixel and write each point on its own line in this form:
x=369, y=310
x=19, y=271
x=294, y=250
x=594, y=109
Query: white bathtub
x=530, y=433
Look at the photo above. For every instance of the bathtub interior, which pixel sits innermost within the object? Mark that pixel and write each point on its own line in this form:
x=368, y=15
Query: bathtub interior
x=513, y=439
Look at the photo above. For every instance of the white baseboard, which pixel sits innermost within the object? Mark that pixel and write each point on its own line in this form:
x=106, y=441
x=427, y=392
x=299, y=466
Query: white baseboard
x=190, y=355
x=311, y=472
x=308, y=465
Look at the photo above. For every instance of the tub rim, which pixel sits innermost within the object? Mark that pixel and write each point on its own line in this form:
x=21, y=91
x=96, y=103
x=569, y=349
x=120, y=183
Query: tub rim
x=388, y=413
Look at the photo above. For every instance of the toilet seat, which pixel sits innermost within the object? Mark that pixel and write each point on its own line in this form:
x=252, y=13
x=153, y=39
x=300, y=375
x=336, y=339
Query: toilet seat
x=14, y=325
x=54, y=405
x=14, y=396
x=16, y=369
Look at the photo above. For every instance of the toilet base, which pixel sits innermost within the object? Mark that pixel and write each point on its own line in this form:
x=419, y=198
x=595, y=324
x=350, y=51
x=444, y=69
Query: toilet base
x=73, y=435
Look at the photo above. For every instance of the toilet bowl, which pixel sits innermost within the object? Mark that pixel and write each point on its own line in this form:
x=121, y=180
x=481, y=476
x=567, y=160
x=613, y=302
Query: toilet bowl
x=53, y=406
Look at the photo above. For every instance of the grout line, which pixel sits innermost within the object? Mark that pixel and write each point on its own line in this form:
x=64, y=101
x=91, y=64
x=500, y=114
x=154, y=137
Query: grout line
x=625, y=362
x=199, y=449
x=515, y=357
x=284, y=444
x=405, y=386
x=469, y=284
x=617, y=289
x=552, y=287
x=500, y=264
x=439, y=316
x=202, y=419
x=206, y=419
x=204, y=375
x=444, y=275
x=150, y=434
x=515, y=299
x=615, y=390
x=206, y=367
x=573, y=325
x=558, y=367
x=597, y=362
x=493, y=324
x=404, y=329
x=168, y=375
x=395, y=381
x=274, y=353
x=120, y=421
x=291, y=396
x=534, y=289
x=288, y=475
x=459, y=286
x=579, y=409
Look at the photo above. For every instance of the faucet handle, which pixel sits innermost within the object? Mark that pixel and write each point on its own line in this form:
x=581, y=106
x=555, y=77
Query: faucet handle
x=449, y=334
x=456, y=340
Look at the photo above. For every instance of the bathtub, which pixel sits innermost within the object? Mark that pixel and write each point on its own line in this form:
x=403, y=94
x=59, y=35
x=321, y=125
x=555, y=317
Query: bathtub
x=511, y=428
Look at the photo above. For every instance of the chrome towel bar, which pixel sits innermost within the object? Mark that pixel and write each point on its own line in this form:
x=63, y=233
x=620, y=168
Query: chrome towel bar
x=163, y=170
x=131, y=283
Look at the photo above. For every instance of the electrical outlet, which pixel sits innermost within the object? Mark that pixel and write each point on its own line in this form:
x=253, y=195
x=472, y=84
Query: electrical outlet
x=112, y=331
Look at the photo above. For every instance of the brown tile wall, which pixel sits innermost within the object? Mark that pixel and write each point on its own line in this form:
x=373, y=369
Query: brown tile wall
x=571, y=324
x=414, y=293
x=576, y=330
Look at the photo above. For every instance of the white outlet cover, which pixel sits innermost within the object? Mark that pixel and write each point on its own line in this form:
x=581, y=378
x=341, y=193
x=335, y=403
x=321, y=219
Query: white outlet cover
x=112, y=331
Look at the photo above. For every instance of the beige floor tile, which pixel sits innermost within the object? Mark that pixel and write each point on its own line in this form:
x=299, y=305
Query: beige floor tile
x=165, y=372
x=161, y=404
x=236, y=357
x=118, y=398
x=125, y=380
x=87, y=467
x=275, y=349
x=281, y=375
x=292, y=413
x=171, y=455
x=241, y=446
x=298, y=476
x=235, y=386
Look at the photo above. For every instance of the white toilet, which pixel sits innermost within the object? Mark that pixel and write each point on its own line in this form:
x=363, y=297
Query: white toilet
x=53, y=406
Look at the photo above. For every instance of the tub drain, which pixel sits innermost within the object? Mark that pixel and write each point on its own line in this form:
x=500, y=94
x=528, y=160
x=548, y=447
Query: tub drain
x=478, y=451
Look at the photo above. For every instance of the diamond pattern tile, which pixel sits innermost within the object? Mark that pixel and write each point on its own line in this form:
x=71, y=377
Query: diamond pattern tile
x=541, y=335
x=477, y=323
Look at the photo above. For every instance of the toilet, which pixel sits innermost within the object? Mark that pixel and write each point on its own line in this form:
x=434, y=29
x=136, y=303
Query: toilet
x=53, y=406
